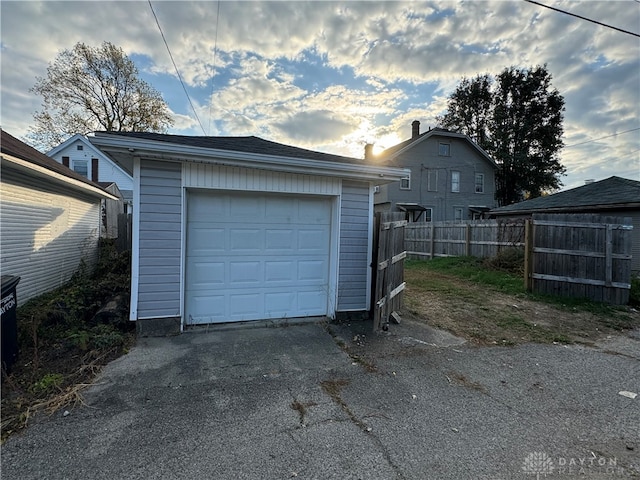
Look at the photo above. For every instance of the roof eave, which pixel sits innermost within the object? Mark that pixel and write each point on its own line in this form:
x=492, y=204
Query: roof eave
x=166, y=151
x=43, y=172
x=578, y=208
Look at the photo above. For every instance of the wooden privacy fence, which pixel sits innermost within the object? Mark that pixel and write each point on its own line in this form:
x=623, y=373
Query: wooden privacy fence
x=582, y=255
x=477, y=238
x=388, y=267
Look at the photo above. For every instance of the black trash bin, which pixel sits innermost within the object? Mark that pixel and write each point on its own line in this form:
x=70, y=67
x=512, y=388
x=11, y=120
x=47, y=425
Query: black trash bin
x=9, y=325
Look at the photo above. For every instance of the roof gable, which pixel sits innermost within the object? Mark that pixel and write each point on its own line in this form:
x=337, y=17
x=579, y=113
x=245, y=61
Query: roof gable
x=612, y=191
x=390, y=154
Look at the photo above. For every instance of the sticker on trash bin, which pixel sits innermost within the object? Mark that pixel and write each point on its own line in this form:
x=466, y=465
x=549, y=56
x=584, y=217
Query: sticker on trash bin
x=630, y=395
x=8, y=303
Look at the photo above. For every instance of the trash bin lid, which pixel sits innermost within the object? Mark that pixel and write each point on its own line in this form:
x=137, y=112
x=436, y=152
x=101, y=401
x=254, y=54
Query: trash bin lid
x=9, y=282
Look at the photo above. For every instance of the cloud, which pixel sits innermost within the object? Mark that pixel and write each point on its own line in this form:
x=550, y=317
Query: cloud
x=346, y=73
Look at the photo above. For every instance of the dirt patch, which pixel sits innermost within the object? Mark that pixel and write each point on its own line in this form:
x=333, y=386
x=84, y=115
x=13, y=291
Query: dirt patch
x=488, y=317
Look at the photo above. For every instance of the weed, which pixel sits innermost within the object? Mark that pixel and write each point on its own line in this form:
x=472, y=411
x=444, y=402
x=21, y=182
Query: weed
x=48, y=384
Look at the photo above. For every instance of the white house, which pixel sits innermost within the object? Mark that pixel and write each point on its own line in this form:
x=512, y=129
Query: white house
x=229, y=229
x=81, y=156
x=50, y=218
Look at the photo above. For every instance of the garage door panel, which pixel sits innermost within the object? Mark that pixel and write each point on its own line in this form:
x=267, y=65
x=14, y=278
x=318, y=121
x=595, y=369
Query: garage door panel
x=263, y=256
x=245, y=272
x=246, y=239
x=280, y=239
x=279, y=271
x=207, y=274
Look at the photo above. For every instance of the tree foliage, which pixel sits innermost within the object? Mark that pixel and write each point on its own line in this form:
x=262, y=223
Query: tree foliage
x=517, y=118
x=88, y=89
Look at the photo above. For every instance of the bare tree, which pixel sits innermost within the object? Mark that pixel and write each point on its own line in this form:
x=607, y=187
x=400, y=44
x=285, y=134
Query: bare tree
x=95, y=88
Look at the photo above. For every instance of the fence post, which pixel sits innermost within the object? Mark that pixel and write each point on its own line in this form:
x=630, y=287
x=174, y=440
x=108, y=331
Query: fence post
x=528, y=255
x=467, y=240
x=608, y=255
x=433, y=232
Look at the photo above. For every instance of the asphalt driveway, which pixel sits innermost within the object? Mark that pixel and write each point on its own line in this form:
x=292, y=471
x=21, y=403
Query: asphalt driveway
x=307, y=401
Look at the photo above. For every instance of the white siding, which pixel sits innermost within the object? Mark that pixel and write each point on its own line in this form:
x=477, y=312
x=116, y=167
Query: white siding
x=201, y=175
x=159, y=280
x=107, y=170
x=355, y=254
x=45, y=232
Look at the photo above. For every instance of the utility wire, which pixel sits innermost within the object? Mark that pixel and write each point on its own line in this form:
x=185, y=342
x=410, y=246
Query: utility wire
x=213, y=77
x=602, y=138
x=583, y=18
x=176, y=67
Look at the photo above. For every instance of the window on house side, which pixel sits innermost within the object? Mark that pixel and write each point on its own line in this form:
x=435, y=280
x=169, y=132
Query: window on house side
x=444, y=149
x=81, y=167
x=405, y=183
x=80, y=147
x=457, y=214
x=455, y=181
x=432, y=180
x=479, y=182
x=428, y=214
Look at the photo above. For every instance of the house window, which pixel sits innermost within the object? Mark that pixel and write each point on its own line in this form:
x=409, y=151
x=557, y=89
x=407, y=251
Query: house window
x=457, y=214
x=80, y=148
x=432, y=180
x=428, y=214
x=455, y=181
x=81, y=167
x=479, y=182
x=444, y=149
x=405, y=183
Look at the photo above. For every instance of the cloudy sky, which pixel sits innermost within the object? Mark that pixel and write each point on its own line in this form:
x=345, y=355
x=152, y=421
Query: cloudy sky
x=332, y=76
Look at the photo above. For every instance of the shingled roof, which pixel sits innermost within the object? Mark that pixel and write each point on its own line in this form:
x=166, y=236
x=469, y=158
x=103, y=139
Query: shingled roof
x=612, y=192
x=16, y=148
x=250, y=144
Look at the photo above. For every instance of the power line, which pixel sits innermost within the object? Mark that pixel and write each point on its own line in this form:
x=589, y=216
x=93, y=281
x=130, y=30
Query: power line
x=602, y=138
x=176, y=67
x=584, y=18
x=213, y=77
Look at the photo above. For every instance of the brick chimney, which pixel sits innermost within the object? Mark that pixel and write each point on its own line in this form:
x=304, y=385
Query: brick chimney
x=415, y=129
x=368, y=151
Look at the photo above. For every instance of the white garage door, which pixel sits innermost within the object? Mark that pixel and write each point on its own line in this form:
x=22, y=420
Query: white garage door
x=253, y=256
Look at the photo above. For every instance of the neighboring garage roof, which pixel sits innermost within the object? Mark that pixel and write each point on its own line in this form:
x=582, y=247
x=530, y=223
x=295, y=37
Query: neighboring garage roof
x=25, y=157
x=249, y=152
x=610, y=193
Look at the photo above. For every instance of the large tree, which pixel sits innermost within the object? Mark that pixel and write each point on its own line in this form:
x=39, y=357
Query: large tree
x=517, y=118
x=95, y=88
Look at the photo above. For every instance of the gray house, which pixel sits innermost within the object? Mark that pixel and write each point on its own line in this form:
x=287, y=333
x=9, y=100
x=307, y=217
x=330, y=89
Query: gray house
x=229, y=229
x=451, y=177
x=613, y=196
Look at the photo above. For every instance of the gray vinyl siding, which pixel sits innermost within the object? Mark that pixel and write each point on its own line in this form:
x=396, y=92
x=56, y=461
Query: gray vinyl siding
x=47, y=230
x=160, y=239
x=354, y=252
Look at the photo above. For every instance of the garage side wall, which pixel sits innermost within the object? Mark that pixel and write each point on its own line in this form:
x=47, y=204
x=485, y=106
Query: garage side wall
x=355, y=221
x=160, y=236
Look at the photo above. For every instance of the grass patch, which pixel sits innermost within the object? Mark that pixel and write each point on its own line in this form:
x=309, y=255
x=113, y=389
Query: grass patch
x=472, y=269
x=62, y=344
x=486, y=302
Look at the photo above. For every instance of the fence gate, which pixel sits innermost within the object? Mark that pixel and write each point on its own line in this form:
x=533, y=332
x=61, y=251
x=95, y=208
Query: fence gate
x=388, y=271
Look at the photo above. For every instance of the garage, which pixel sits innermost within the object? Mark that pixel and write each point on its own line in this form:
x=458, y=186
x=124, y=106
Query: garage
x=253, y=256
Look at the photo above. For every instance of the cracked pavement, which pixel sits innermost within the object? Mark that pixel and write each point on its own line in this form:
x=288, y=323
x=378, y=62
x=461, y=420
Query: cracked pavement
x=338, y=401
